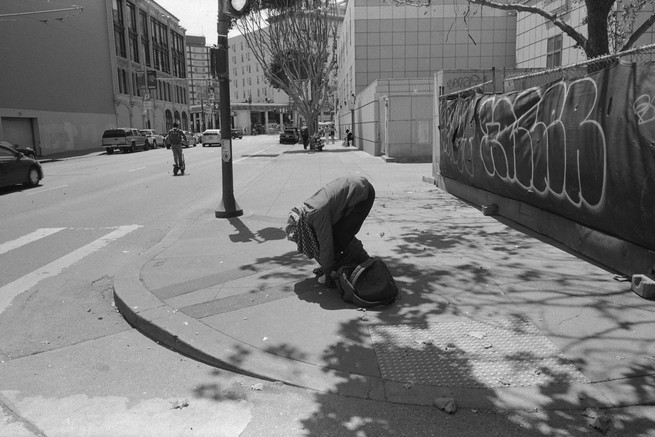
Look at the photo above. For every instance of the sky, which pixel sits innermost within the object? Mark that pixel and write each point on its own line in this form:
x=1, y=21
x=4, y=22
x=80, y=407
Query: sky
x=198, y=17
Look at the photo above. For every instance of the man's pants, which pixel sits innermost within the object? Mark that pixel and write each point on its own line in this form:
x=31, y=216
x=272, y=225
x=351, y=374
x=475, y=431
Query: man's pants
x=178, y=157
x=345, y=229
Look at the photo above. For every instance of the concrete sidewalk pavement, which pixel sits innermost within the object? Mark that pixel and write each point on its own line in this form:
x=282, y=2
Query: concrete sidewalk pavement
x=489, y=316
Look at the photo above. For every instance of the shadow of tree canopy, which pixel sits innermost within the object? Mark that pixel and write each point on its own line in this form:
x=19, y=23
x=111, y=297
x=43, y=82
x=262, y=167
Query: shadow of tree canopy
x=455, y=265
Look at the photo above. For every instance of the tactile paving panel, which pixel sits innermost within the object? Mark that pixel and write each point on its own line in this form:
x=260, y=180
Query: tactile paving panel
x=498, y=353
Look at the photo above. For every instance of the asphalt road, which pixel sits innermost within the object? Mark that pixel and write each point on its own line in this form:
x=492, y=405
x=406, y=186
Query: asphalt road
x=71, y=366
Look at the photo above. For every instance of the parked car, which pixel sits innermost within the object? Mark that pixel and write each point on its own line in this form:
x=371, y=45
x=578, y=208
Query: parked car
x=191, y=139
x=153, y=138
x=211, y=137
x=237, y=133
x=17, y=168
x=27, y=151
x=126, y=139
x=290, y=135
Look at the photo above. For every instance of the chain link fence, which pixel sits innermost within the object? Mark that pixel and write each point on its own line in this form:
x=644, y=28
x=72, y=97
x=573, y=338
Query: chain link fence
x=517, y=80
x=639, y=55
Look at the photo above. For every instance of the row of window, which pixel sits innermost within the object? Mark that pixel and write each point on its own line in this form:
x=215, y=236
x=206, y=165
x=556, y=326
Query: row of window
x=156, y=40
x=245, y=95
x=164, y=91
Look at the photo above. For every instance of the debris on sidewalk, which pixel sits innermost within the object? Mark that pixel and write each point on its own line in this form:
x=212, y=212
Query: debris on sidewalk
x=446, y=404
x=178, y=405
x=597, y=420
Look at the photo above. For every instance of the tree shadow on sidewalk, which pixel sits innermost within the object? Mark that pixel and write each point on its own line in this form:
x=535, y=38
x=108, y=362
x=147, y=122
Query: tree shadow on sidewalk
x=455, y=266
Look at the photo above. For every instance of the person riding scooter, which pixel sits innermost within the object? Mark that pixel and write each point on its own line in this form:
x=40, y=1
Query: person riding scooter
x=176, y=138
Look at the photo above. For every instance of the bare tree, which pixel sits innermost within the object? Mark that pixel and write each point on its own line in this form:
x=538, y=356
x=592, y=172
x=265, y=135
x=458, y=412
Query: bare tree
x=294, y=42
x=607, y=21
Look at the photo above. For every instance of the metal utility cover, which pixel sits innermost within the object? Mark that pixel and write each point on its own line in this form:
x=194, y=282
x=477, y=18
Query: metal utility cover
x=471, y=354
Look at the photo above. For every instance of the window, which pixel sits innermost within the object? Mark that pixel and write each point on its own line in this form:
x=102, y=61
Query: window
x=145, y=41
x=119, y=28
x=133, y=33
x=554, y=52
x=122, y=81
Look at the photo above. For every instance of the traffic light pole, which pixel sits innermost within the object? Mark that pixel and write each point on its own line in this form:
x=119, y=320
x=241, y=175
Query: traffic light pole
x=228, y=207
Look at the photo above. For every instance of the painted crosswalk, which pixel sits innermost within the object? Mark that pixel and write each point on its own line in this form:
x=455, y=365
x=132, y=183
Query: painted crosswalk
x=9, y=291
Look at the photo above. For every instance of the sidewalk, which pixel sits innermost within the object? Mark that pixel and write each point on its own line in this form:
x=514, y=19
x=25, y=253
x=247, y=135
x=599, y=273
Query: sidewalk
x=489, y=316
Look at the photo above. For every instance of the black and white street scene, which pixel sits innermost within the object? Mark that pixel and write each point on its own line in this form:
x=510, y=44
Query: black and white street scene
x=327, y=218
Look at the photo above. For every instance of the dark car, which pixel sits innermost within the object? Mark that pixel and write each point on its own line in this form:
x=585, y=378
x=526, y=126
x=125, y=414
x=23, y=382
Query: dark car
x=237, y=133
x=16, y=168
x=27, y=151
x=290, y=135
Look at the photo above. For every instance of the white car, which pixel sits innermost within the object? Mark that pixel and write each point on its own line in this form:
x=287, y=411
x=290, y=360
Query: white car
x=153, y=138
x=211, y=137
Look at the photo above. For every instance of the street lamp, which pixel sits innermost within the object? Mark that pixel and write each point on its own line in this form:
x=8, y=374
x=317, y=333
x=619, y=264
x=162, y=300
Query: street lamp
x=226, y=10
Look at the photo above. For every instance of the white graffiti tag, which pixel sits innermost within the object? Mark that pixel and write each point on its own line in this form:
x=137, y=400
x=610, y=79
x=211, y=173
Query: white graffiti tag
x=547, y=144
x=644, y=109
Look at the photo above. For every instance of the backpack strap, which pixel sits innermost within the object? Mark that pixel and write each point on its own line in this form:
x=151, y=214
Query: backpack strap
x=360, y=269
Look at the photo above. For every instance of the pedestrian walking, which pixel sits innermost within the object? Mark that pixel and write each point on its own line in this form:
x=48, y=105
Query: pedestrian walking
x=304, y=133
x=331, y=134
x=349, y=137
x=176, y=138
x=325, y=224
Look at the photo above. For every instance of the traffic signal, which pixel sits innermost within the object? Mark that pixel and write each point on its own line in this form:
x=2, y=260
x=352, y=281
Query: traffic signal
x=237, y=8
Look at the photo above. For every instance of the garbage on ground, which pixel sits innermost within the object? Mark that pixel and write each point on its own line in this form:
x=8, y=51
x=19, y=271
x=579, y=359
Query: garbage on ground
x=447, y=404
x=597, y=420
x=179, y=404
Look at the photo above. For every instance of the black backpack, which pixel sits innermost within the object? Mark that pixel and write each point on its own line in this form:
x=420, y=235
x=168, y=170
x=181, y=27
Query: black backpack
x=368, y=284
x=175, y=136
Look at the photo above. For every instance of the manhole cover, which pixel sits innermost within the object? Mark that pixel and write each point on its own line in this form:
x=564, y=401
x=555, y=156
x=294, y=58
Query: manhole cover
x=498, y=353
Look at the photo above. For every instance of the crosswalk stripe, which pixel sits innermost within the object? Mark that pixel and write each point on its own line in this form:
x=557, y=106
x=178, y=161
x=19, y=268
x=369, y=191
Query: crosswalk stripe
x=29, y=238
x=13, y=289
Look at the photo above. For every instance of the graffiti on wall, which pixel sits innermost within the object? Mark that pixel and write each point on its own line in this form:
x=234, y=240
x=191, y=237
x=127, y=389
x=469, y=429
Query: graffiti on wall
x=578, y=148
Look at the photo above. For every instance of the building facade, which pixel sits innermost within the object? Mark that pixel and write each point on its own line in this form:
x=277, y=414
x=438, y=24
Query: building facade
x=388, y=56
x=203, y=89
x=69, y=74
x=541, y=44
x=256, y=106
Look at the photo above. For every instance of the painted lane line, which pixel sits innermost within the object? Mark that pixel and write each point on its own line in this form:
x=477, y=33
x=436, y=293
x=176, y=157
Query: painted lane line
x=47, y=189
x=136, y=169
x=27, y=239
x=13, y=289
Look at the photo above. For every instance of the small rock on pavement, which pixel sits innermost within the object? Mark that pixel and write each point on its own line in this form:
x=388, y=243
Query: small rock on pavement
x=447, y=404
x=597, y=420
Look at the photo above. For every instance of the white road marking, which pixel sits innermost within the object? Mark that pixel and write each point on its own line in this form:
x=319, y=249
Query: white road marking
x=29, y=238
x=13, y=289
x=136, y=169
x=47, y=189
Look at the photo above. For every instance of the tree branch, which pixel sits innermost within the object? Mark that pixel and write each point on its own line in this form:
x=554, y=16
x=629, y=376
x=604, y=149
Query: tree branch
x=639, y=32
x=577, y=36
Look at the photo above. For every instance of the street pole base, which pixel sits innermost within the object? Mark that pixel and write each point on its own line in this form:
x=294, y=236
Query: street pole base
x=223, y=212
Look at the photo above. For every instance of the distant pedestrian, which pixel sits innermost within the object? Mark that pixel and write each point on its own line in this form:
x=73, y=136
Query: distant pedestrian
x=331, y=134
x=348, y=139
x=304, y=133
x=325, y=224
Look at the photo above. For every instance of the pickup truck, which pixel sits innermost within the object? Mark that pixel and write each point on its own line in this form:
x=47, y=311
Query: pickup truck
x=153, y=138
x=126, y=139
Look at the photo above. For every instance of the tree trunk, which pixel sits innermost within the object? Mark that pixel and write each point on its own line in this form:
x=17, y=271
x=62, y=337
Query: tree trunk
x=597, y=38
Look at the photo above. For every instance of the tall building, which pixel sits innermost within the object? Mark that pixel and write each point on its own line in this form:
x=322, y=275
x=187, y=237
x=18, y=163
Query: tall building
x=388, y=56
x=203, y=89
x=254, y=102
x=70, y=72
